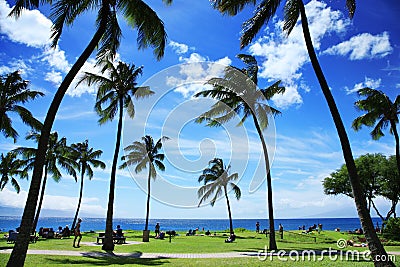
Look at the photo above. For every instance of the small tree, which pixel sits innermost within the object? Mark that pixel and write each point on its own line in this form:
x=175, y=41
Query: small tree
x=10, y=168
x=142, y=154
x=217, y=180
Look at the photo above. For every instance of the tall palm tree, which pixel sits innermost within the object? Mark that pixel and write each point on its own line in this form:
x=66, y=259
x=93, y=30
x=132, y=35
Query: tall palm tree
x=10, y=168
x=142, y=154
x=380, y=113
x=216, y=180
x=239, y=94
x=151, y=32
x=115, y=94
x=13, y=92
x=294, y=9
x=58, y=154
x=86, y=157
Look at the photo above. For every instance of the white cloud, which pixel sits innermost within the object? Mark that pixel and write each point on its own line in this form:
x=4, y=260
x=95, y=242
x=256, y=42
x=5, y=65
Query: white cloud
x=33, y=29
x=283, y=57
x=11, y=199
x=54, y=77
x=363, y=46
x=195, y=71
x=368, y=82
x=20, y=30
x=178, y=47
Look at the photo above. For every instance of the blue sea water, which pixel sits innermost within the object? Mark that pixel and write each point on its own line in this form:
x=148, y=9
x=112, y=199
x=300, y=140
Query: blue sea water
x=95, y=224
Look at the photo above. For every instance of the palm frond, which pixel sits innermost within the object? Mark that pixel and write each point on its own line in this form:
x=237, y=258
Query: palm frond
x=292, y=13
x=150, y=27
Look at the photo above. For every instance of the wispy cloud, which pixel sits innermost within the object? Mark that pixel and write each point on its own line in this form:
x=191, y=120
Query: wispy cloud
x=363, y=46
x=368, y=82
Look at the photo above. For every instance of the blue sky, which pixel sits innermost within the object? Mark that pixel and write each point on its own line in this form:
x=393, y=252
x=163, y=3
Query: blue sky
x=303, y=141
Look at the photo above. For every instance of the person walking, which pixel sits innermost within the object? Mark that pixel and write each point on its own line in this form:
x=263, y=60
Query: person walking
x=77, y=233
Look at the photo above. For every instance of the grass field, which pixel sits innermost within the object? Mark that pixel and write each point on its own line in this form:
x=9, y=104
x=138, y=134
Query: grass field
x=246, y=242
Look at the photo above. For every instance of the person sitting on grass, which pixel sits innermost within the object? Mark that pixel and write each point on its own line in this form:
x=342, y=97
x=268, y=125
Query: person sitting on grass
x=161, y=235
x=231, y=238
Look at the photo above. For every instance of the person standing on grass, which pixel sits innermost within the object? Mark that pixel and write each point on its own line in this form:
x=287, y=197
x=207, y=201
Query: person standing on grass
x=78, y=233
x=258, y=227
x=157, y=229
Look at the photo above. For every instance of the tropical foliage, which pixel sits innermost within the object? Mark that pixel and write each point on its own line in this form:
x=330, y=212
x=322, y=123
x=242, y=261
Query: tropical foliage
x=378, y=178
x=116, y=88
x=217, y=183
x=380, y=112
x=14, y=92
x=10, y=168
x=58, y=154
x=237, y=93
x=293, y=10
x=151, y=33
x=145, y=154
x=86, y=158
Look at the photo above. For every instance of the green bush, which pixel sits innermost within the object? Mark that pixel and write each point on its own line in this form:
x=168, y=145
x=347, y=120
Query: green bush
x=392, y=229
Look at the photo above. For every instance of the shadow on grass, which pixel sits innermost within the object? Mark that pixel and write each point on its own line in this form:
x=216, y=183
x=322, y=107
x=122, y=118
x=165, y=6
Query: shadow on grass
x=108, y=258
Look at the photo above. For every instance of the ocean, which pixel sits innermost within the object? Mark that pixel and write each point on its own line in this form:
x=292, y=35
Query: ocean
x=96, y=224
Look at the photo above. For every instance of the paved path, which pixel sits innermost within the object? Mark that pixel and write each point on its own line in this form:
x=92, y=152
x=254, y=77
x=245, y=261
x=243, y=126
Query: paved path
x=137, y=255
x=78, y=252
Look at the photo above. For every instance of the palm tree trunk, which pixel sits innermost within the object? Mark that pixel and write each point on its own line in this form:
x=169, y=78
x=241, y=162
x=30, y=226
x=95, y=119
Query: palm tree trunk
x=374, y=243
x=18, y=254
x=396, y=137
x=272, y=240
x=108, y=237
x=80, y=196
x=146, y=226
x=35, y=222
x=229, y=211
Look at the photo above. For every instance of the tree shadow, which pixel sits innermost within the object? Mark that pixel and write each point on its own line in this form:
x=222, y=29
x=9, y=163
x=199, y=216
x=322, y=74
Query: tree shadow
x=109, y=258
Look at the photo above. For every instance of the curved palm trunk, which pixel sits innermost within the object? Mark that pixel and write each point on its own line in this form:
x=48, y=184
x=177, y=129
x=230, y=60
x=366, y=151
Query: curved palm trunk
x=272, y=240
x=80, y=197
x=374, y=243
x=34, y=225
x=146, y=226
x=396, y=137
x=108, y=237
x=18, y=254
x=229, y=211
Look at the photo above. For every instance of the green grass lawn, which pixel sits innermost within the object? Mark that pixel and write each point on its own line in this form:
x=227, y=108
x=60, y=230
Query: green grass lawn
x=246, y=241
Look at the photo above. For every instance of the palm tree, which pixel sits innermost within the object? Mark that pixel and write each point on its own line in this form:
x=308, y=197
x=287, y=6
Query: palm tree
x=216, y=180
x=239, y=94
x=10, y=167
x=380, y=113
x=57, y=154
x=294, y=9
x=115, y=93
x=13, y=91
x=151, y=32
x=86, y=157
x=142, y=154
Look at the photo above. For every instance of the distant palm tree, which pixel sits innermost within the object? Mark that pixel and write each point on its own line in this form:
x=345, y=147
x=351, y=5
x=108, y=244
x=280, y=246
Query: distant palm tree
x=86, y=157
x=142, y=154
x=151, y=32
x=241, y=95
x=13, y=92
x=293, y=10
x=380, y=113
x=10, y=168
x=115, y=94
x=57, y=154
x=216, y=180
